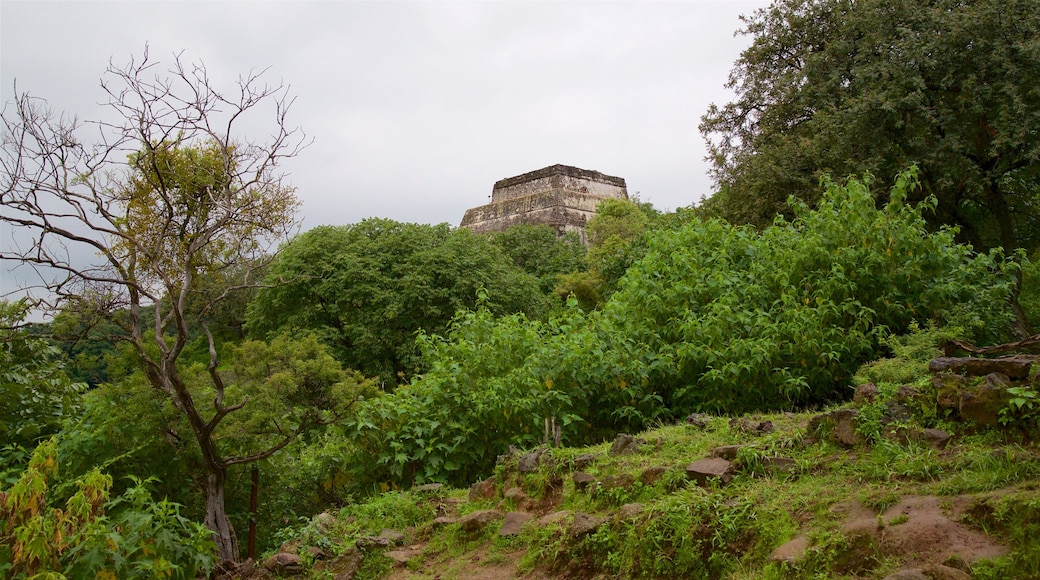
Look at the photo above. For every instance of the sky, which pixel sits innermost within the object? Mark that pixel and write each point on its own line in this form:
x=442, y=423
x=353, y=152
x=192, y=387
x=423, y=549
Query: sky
x=417, y=108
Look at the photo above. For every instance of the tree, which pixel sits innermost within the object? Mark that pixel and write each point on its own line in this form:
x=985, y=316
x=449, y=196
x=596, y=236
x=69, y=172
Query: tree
x=852, y=87
x=367, y=288
x=165, y=195
x=35, y=392
x=537, y=250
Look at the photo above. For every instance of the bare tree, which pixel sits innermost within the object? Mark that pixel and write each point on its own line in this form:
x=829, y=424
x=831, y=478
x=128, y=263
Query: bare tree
x=166, y=195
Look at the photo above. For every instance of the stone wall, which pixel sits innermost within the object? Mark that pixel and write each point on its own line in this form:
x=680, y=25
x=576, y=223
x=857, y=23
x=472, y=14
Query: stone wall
x=560, y=177
x=560, y=196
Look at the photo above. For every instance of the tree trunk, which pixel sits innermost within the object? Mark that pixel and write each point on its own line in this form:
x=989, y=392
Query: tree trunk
x=216, y=517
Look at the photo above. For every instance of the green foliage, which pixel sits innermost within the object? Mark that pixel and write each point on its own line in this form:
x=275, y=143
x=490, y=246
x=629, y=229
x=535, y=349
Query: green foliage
x=783, y=318
x=537, y=250
x=911, y=353
x=855, y=87
x=1029, y=291
x=94, y=536
x=366, y=289
x=35, y=392
x=713, y=318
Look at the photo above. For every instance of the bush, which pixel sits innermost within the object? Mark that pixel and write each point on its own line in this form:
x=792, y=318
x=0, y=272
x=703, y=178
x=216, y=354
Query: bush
x=94, y=536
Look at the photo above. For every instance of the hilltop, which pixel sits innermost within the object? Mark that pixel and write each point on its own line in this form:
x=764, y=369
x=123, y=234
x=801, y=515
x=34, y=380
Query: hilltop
x=937, y=478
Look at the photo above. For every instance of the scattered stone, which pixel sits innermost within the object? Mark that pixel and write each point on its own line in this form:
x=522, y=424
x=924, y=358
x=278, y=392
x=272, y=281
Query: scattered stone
x=907, y=575
x=401, y=557
x=342, y=567
x=935, y=438
x=324, y=521
x=980, y=403
x=584, y=460
x=726, y=451
x=703, y=470
x=284, y=564
x=1014, y=367
x=553, y=518
x=393, y=536
x=940, y=572
x=623, y=481
x=784, y=464
x=745, y=425
x=791, y=552
x=486, y=489
x=650, y=475
x=513, y=523
x=514, y=494
x=583, y=525
x=896, y=412
x=865, y=393
x=479, y=520
x=626, y=444
x=582, y=481
x=908, y=394
x=839, y=424
x=698, y=420
x=366, y=542
x=428, y=488
x=630, y=511
x=531, y=460
x=445, y=521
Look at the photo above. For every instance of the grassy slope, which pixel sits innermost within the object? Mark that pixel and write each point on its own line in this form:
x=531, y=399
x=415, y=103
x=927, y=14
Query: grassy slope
x=864, y=511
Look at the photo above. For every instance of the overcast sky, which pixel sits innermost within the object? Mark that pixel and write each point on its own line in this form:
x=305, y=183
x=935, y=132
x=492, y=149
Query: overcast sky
x=417, y=108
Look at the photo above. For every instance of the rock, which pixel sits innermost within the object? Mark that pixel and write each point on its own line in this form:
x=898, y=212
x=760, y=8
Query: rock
x=486, y=489
x=626, y=445
x=583, y=525
x=366, y=542
x=584, y=460
x=840, y=425
x=726, y=451
x=1015, y=367
x=531, y=460
x=582, y=481
x=630, y=511
x=400, y=557
x=703, y=470
x=698, y=420
x=479, y=520
x=865, y=393
x=284, y=564
x=553, y=518
x=896, y=412
x=315, y=553
x=513, y=523
x=623, y=481
x=324, y=521
x=980, y=403
x=393, y=536
x=780, y=464
x=428, y=488
x=514, y=494
x=940, y=572
x=650, y=475
x=791, y=552
x=915, y=574
x=342, y=567
x=247, y=568
x=445, y=521
x=907, y=394
x=934, y=438
x=745, y=425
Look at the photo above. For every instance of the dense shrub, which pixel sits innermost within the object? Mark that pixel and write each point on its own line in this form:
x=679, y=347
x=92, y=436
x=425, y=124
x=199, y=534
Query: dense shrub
x=713, y=318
